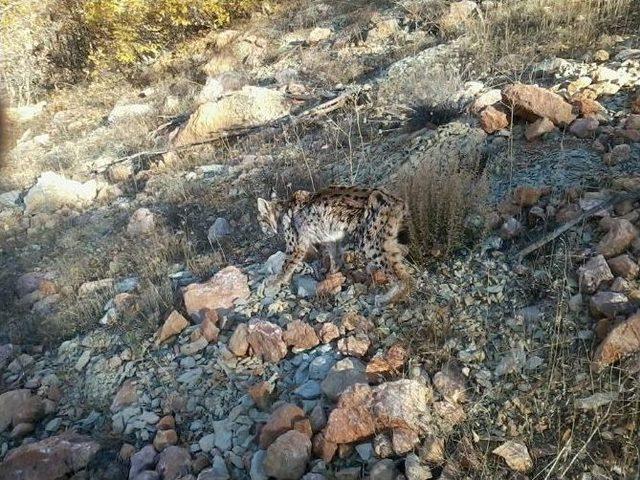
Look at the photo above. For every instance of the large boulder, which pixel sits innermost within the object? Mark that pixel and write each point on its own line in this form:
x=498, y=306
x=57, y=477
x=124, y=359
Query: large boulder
x=287, y=457
x=53, y=191
x=19, y=406
x=284, y=418
x=532, y=102
x=265, y=340
x=248, y=107
x=50, y=459
x=623, y=340
x=343, y=374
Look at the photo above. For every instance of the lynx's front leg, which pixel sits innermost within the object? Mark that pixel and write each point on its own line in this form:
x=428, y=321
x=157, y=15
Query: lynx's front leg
x=291, y=264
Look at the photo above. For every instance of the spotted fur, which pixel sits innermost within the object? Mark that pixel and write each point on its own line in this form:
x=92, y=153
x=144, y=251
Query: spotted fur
x=369, y=218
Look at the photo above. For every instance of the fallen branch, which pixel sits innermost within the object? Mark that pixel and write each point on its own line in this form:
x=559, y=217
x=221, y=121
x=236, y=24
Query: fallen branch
x=304, y=116
x=571, y=223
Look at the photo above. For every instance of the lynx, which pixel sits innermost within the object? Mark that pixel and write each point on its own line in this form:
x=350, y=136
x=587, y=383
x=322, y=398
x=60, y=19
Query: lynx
x=370, y=218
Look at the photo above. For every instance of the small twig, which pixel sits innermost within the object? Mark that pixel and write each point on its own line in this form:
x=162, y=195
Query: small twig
x=571, y=223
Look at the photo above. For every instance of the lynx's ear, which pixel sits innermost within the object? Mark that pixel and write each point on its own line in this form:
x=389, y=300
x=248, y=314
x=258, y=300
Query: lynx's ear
x=264, y=207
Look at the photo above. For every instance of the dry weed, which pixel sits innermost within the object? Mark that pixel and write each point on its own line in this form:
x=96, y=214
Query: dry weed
x=442, y=201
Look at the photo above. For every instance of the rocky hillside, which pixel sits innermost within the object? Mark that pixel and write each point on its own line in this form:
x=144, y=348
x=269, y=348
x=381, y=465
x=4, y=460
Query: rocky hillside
x=136, y=338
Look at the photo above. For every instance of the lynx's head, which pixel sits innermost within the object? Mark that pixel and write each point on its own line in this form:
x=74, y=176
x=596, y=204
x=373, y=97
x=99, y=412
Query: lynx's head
x=269, y=213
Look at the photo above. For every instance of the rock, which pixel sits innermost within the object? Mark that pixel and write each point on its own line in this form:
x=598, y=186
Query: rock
x=414, y=470
x=141, y=223
x=250, y=106
x=382, y=446
x=622, y=340
x=383, y=470
x=265, y=341
x=147, y=475
x=593, y=273
x=531, y=103
x=601, y=55
x=383, y=30
x=172, y=326
x=284, y=418
x=328, y=332
x=618, y=154
x=317, y=418
x=42, y=283
x=122, y=113
x=516, y=455
x=635, y=104
x=390, y=362
x=120, y=172
x=274, y=263
x=624, y=267
x=166, y=423
x=458, y=15
x=331, y=285
x=53, y=191
x=305, y=286
x=450, y=383
x=220, y=228
x=578, y=85
x=260, y=393
x=354, y=322
x=142, y=460
x=354, y=345
x=194, y=347
x=21, y=430
x=343, y=374
x=632, y=122
x=451, y=414
x=401, y=404
x=218, y=470
x=526, y=196
x=127, y=395
x=173, y=463
x=239, y=343
x=511, y=228
x=619, y=237
x=19, y=406
x=584, y=127
x=52, y=458
x=487, y=99
x=352, y=420
x=493, y=120
x=220, y=291
x=300, y=335
x=126, y=452
x=257, y=470
x=309, y=390
x=318, y=34
x=287, y=457
x=590, y=108
x=538, y=128
x=320, y=366
x=403, y=440
x=322, y=448
x=208, y=327
x=164, y=438
x=596, y=400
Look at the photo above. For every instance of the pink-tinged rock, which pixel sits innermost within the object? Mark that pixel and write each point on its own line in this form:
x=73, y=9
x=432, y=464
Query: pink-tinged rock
x=260, y=393
x=287, y=457
x=322, y=448
x=624, y=267
x=493, y=120
x=619, y=237
x=352, y=419
x=538, y=128
x=220, y=291
x=515, y=455
x=328, y=332
x=526, y=196
x=451, y=414
x=51, y=459
x=141, y=223
x=239, y=342
x=284, y=418
x=164, y=438
x=354, y=345
x=389, y=362
x=265, y=341
x=451, y=384
x=142, y=460
x=401, y=404
x=29, y=283
x=354, y=322
x=208, y=327
x=172, y=326
x=593, y=273
x=584, y=127
x=126, y=395
x=300, y=335
x=19, y=406
x=404, y=440
x=622, y=340
x=532, y=102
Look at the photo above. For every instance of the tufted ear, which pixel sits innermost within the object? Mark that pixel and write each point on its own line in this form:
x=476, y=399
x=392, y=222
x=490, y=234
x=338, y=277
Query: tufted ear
x=264, y=207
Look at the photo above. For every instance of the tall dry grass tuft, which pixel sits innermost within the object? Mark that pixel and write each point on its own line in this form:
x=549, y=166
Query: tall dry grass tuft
x=511, y=34
x=444, y=203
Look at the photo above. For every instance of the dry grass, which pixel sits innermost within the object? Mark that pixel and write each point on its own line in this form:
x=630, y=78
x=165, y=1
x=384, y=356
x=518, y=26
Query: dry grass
x=513, y=34
x=443, y=203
